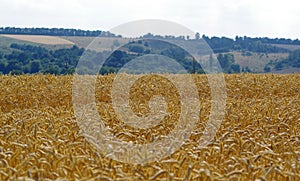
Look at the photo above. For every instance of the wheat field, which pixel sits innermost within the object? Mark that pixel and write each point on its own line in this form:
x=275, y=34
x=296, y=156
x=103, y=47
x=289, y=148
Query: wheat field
x=43, y=39
x=257, y=140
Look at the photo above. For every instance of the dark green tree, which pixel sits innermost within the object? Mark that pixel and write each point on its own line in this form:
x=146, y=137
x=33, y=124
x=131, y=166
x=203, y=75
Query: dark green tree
x=235, y=68
x=267, y=69
x=197, y=36
x=35, y=66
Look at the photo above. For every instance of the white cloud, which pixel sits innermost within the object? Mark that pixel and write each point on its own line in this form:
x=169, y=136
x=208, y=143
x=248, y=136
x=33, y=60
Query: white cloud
x=215, y=17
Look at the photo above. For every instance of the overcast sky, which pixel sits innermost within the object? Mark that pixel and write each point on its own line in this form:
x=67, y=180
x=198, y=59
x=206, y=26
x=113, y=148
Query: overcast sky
x=211, y=17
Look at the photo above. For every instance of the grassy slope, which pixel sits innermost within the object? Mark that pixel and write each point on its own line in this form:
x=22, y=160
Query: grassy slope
x=42, y=39
x=257, y=61
x=96, y=43
x=5, y=43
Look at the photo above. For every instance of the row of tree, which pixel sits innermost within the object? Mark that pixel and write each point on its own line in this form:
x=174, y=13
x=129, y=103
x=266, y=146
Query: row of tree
x=260, y=45
x=267, y=40
x=54, y=32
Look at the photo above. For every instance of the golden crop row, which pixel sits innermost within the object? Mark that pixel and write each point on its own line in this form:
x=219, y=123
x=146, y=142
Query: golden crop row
x=259, y=138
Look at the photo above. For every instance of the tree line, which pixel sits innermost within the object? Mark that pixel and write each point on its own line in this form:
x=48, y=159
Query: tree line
x=54, y=32
x=260, y=45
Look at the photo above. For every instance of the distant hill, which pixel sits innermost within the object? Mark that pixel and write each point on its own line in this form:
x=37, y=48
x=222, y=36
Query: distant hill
x=242, y=54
